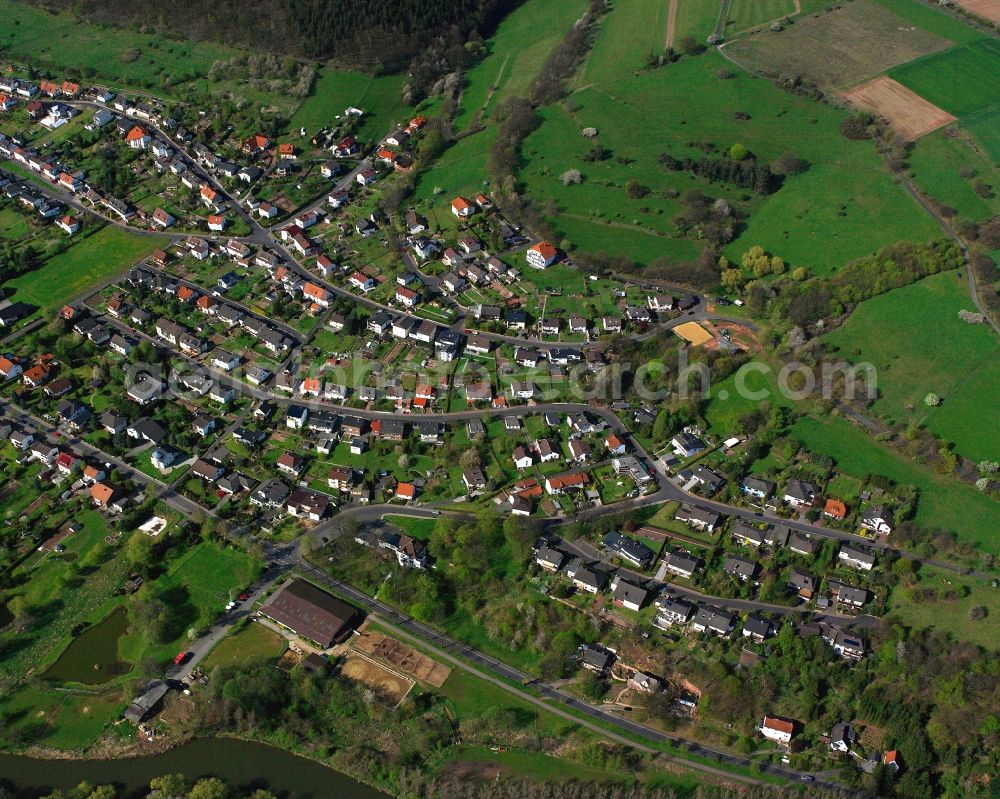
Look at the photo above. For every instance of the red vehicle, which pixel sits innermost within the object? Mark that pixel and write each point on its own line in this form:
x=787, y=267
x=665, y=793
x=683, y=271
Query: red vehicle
x=182, y=657
x=244, y=597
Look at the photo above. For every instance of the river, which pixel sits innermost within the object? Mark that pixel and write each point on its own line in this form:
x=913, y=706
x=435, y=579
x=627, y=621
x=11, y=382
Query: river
x=242, y=764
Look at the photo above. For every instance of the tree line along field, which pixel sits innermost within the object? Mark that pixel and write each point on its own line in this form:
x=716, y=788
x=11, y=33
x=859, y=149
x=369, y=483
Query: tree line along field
x=917, y=343
x=846, y=196
x=515, y=54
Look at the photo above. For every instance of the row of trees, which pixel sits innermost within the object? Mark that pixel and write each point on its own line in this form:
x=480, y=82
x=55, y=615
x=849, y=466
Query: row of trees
x=746, y=172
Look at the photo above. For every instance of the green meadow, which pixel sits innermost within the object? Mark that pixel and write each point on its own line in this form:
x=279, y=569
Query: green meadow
x=985, y=127
x=744, y=14
x=695, y=18
x=85, y=264
x=961, y=80
x=918, y=345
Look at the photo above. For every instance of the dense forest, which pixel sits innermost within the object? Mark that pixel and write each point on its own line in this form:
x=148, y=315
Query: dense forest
x=369, y=34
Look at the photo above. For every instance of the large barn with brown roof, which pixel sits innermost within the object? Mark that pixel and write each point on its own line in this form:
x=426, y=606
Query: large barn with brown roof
x=311, y=612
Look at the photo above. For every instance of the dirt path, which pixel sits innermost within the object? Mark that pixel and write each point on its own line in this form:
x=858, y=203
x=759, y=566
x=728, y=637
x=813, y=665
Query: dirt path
x=671, y=25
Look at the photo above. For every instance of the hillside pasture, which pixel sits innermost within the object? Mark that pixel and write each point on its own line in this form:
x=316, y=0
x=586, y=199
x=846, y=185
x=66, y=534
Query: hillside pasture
x=909, y=114
x=516, y=53
x=918, y=345
x=695, y=18
x=837, y=48
x=121, y=56
x=89, y=262
x=846, y=196
x=961, y=80
x=631, y=33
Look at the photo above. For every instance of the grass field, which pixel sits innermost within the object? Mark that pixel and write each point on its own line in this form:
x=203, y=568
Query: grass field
x=634, y=31
x=516, y=53
x=823, y=219
x=951, y=614
x=696, y=18
x=60, y=719
x=738, y=394
x=916, y=341
x=961, y=80
x=744, y=14
x=253, y=642
x=943, y=502
x=985, y=127
x=200, y=583
x=336, y=89
x=937, y=162
x=839, y=47
x=932, y=19
x=461, y=169
x=87, y=263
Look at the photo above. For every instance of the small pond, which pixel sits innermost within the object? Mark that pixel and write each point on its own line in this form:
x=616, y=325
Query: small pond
x=92, y=657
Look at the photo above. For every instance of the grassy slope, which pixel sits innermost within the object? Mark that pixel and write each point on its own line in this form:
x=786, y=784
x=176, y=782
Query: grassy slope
x=985, y=127
x=68, y=275
x=943, y=502
x=335, y=90
x=933, y=19
x=916, y=341
x=516, y=53
x=630, y=35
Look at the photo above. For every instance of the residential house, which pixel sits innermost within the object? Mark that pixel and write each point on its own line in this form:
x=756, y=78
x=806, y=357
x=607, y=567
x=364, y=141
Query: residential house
x=856, y=557
x=628, y=549
x=878, y=519
x=541, y=255
x=683, y=563
x=800, y=494
x=714, y=621
x=778, y=730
